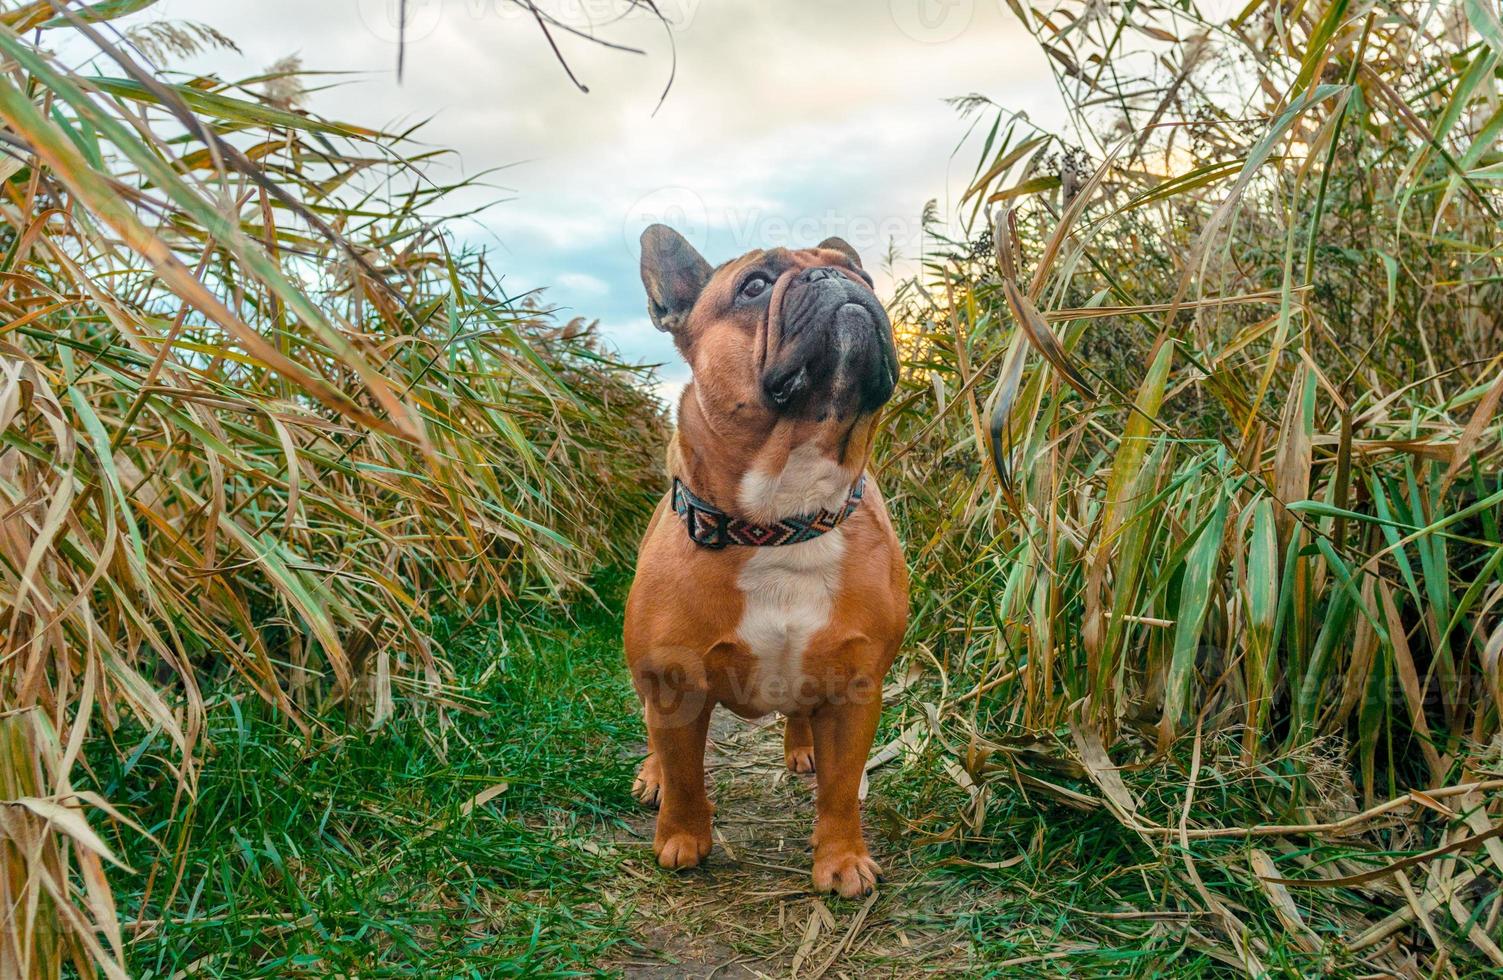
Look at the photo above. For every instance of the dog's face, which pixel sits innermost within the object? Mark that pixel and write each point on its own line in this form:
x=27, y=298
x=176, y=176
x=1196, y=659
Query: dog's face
x=775, y=334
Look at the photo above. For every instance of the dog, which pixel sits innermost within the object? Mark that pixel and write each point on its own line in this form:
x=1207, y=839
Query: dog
x=770, y=578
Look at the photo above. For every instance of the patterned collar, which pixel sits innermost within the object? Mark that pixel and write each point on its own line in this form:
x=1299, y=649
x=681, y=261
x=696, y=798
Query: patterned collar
x=711, y=527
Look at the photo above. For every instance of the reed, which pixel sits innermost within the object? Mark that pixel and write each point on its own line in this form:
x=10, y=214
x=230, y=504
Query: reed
x=263, y=414
x=1199, y=437
x=1220, y=442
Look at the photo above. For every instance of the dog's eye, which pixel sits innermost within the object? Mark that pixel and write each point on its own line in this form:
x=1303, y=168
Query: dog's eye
x=755, y=286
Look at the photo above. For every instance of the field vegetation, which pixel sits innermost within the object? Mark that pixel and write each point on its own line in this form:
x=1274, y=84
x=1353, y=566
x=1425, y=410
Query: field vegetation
x=1199, y=451
x=311, y=536
x=263, y=417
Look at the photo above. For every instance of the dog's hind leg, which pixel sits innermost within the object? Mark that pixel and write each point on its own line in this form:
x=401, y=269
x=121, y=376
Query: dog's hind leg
x=798, y=744
x=647, y=787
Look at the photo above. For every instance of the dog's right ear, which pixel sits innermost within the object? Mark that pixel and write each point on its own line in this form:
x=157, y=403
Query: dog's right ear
x=674, y=274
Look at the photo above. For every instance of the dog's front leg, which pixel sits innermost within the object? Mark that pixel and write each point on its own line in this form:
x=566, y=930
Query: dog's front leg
x=843, y=734
x=678, y=746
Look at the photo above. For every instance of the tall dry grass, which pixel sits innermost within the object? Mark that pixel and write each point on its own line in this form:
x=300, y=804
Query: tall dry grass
x=261, y=414
x=1199, y=438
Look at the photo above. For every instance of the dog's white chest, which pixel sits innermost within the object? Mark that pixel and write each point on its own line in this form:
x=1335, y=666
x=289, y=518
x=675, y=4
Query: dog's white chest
x=788, y=593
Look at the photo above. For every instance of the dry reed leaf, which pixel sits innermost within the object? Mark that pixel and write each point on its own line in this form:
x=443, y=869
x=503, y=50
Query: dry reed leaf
x=1282, y=902
x=857, y=921
x=69, y=821
x=811, y=933
x=1091, y=751
x=1467, y=921
x=1243, y=943
x=1474, y=812
x=1420, y=914
x=483, y=797
x=1482, y=417
x=1425, y=857
x=908, y=742
x=1409, y=680
x=1042, y=338
x=1428, y=901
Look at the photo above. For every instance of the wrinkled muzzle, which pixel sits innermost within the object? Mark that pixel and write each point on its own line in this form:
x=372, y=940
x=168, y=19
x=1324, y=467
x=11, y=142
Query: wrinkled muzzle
x=829, y=349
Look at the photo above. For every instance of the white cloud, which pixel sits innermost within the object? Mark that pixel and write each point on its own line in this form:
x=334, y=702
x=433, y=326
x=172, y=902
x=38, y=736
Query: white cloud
x=667, y=390
x=785, y=121
x=581, y=282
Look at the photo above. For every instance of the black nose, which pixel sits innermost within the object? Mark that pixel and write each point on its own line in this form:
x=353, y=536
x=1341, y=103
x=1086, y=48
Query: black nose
x=818, y=273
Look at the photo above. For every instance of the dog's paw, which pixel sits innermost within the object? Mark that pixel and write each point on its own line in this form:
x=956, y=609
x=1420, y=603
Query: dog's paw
x=648, y=787
x=798, y=745
x=851, y=873
x=681, y=849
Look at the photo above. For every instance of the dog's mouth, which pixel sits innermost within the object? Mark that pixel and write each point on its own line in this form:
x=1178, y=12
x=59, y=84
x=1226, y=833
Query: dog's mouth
x=829, y=349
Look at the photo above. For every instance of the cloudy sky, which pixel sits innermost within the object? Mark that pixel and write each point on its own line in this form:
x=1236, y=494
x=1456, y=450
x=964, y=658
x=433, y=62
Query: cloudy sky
x=787, y=121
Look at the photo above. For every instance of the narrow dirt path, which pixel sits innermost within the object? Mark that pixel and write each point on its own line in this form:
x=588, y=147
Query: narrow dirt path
x=749, y=910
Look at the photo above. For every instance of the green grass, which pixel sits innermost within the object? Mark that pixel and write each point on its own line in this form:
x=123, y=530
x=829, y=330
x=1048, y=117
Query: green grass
x=1081, y=895
x=353, y=856
x=352, y=853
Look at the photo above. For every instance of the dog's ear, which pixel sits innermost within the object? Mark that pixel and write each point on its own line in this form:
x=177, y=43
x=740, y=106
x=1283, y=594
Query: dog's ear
x=674, y=274
x=843, y=247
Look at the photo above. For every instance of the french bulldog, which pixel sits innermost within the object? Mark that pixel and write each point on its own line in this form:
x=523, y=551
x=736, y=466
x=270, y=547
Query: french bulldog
x=770, y=578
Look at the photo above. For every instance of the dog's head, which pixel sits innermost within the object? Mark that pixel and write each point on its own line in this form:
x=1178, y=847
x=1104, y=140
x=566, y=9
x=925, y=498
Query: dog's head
x=777, y=334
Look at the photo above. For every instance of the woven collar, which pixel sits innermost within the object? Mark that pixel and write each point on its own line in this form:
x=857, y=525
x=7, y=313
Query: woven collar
x=711, y=527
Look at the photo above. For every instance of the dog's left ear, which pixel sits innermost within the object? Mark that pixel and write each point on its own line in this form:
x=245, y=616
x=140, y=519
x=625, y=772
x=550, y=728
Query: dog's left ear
x=843, y=247
x=674, y=274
